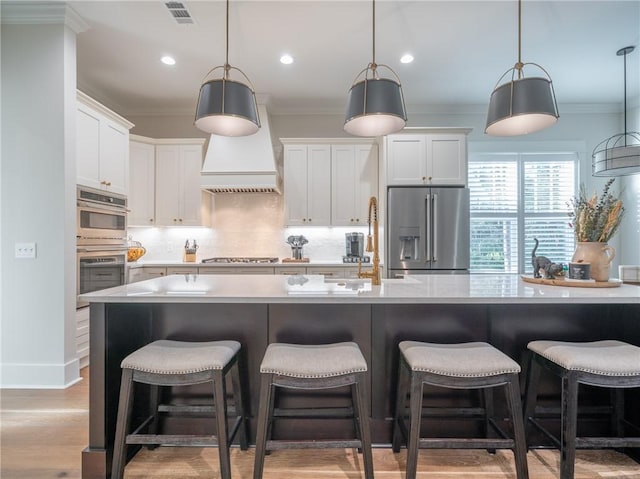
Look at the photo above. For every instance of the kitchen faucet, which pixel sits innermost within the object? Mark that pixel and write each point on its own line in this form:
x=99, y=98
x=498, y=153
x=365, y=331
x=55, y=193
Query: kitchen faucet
x=374, y=274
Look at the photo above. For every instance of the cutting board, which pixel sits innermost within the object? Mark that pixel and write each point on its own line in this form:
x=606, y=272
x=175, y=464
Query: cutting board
x=612, y=283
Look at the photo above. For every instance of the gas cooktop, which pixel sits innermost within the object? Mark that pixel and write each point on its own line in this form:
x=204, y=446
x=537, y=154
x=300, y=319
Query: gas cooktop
x=240, y=259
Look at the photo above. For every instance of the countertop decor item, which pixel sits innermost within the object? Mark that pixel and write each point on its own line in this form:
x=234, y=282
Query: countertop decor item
x=572, y=283
x=523, y=104
x=618, y=155
x=190, y=252
x=594, y=221
x=227, y=107
x=375, y=106
x=297, y=242
x=135, y=250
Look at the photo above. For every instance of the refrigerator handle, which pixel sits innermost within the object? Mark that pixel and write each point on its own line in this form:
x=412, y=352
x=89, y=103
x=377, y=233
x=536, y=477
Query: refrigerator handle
x=428, y=236
x=434, y=215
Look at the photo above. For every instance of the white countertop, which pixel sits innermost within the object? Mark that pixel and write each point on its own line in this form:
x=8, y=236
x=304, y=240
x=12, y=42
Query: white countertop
x=434, y=288
x=279, y=264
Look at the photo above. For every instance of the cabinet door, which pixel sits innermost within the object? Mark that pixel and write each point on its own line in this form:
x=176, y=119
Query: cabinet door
x=295, y=185
x=333, y=272
x=344, y=194
x=142, y=178
x=319, y=185
x=406, y=160
x=87, y=147
x=447, y=159
x=366, y=180
x=191, y=198
x=168, y=185
x=114, y=157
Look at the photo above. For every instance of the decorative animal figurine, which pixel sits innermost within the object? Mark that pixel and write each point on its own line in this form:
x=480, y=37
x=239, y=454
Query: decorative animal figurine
x=551, y=269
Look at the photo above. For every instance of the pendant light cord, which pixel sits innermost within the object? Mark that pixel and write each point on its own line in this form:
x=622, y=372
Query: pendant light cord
x=226, y=57
x=519, y=65
x=625, y=97
x=373, y=62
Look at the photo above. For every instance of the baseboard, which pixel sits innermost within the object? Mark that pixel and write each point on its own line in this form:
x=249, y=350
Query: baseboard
x=40, y=376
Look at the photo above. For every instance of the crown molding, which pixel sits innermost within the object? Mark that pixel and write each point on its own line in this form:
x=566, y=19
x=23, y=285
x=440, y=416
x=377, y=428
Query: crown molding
x=42, y=13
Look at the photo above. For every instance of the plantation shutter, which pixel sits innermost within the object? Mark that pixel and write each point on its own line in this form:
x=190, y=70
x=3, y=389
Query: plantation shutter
x=516, y=197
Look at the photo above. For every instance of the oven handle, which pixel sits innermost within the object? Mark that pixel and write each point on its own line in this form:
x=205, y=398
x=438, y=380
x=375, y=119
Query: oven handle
x=103, y=249
x=98, y=207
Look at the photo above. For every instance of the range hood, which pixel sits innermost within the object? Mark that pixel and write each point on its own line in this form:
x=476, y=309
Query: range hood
x=241, y=164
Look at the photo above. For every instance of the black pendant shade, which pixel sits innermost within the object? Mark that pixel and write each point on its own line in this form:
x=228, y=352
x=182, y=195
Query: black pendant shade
x=524, y=104
x=521, y=106
x=375, y=107
x=227, y=108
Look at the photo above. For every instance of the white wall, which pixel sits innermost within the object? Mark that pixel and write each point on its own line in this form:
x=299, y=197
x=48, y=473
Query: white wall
x=38, y=205
x=630, y=229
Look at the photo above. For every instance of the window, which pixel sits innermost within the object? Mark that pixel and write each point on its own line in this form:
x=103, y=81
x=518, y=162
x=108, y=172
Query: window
x=516, y=197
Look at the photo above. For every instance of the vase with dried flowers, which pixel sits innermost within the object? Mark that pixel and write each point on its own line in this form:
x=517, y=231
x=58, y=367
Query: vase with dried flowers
x=594, y=221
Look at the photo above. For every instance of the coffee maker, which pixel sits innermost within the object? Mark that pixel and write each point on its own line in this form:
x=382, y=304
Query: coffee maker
x=354, y=248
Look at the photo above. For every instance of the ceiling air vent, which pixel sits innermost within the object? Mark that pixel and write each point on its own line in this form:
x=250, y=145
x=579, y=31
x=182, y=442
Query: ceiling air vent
x=180, y=13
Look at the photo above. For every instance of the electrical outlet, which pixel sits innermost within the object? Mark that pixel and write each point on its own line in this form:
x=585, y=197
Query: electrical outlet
x=169, y=246
x=25, y=250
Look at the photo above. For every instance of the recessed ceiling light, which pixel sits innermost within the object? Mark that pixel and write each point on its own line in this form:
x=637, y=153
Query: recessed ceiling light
x=286, y=59
x=407, y=58
x=167, y=60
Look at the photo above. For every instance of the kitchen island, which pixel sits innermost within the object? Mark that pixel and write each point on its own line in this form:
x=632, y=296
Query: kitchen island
x=257, y=310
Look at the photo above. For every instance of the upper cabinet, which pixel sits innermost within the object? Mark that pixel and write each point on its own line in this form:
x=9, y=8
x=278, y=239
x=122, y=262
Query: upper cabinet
x=165, y=183
x=427, y=158
x=102, y=147
x=354, y=179
x=329, y=182
x=307, y=185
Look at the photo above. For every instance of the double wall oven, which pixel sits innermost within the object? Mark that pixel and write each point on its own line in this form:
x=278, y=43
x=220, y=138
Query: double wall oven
x=101, y=240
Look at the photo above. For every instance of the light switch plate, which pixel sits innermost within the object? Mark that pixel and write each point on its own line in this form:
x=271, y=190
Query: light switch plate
x=25, y=250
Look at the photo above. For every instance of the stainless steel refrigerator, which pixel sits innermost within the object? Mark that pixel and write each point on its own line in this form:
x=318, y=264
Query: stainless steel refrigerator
x=427, y=230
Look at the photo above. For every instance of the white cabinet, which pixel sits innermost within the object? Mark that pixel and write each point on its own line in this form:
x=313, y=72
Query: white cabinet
x=178, y=193
x=329, y=183
x=354, y=179
x=142, y=173
x=145, y=272
x=427, y=158
x=165, y=183
x=307, y=185
x=102, y=147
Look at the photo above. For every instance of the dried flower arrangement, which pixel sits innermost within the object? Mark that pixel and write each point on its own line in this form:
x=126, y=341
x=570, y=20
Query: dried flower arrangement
x=595, y=219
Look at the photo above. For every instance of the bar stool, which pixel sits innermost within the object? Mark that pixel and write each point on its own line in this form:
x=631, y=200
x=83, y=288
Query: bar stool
x=456, y=366
x=313, y=367
x=177, y=363
x=607, y=364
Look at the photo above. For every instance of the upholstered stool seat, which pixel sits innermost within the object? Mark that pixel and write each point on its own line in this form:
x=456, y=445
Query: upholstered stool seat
x=474, y=365
x=178, y=363
x=609, y=364
x=313, y=367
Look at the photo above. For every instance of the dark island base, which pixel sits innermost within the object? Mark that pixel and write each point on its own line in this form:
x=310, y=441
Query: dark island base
x=118, y=329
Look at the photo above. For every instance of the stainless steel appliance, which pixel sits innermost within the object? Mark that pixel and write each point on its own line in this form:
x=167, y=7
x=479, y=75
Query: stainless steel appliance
x=101, y=240
x=354, y=248
x=427, y=230
x=101, y=217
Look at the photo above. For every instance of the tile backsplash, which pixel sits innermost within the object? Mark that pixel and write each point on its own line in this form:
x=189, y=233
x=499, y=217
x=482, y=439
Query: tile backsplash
x=243, y=225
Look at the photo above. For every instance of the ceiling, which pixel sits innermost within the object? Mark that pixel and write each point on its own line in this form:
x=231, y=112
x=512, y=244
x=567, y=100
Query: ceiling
x=461, y=49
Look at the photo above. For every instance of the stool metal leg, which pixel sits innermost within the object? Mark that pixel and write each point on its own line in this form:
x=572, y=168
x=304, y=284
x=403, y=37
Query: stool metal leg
x=531, y=394
x=360, y=406
x=265, y=411
x=569, y=420
x=487, y=397
x=125, y=403
x=413, y=442
x=520, y=444
x=220, y=398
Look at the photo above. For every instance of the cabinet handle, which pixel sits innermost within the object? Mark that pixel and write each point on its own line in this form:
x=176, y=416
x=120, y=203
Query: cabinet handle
x=180, y=220
x=424, y=178
x=309, y=220
x=304, y=219
x=174, y=220
x=358, y=220
x=150, y=220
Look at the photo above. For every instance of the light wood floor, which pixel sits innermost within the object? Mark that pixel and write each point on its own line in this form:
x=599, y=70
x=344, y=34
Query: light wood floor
x=42, y=434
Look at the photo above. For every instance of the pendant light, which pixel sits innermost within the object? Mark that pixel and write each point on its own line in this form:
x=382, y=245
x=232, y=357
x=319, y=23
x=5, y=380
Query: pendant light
x=615, y=156
x=227, y=107
x=375, y=105
x=523, y=104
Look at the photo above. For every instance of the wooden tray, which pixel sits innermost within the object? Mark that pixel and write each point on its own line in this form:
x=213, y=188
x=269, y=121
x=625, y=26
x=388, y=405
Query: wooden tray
x=612, y=283
x=292, y=260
